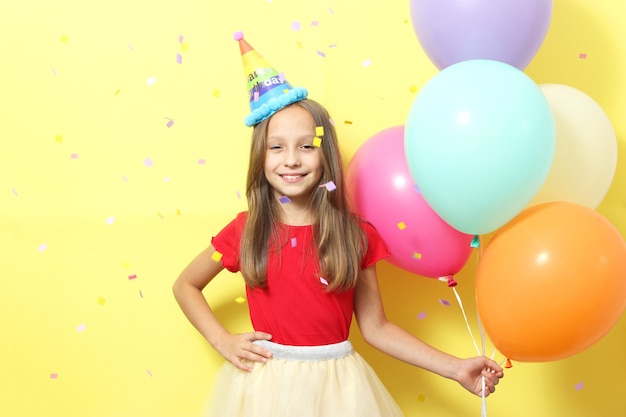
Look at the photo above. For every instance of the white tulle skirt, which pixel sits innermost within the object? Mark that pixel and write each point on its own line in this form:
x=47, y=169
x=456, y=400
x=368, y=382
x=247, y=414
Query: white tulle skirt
x=302, y=381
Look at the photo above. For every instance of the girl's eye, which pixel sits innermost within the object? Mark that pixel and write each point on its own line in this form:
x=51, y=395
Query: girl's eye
x=307, y=146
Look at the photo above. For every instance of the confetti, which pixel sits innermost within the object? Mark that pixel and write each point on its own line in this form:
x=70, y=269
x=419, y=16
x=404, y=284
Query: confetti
x=167, y=179
x=118, y=91
x=140, y=294
x=160, y=216
x=582, y=56
x=101, y=300
x=317, y=142
x=295, y=25
x=201, y=161
x=14, y=192
x=413, y=89
x=178, y=212
x=148, y=372
x=74, y=156
x=64, y=38
x=81, y=328
x=320, y=53
x=421, y=398
x=184, y=47
x=148, y=162
x=54, y=376
x=216, y=256
x=417, y=188
x=323, y=281
x=314, y=23
x=299, y=45
x=366, y=63
x=444, y=302
x=347, y=122
x=124, y=178
x=401, y=226
x=133, y=276
x=110, y=220
x=216, y=93
x=179, y=59
x=239, y=195
x=330, y=186
x=181, y=38
x=421, y=316
x=579, y=386
x=151, y=80
x=294, y=242
x=59, y=139
x=43, y=247
x=170, y=122
x=240, y=300
x=131, y=47
x=284, y=199
x=125, y=264
x=417, y=255
x=319, y=130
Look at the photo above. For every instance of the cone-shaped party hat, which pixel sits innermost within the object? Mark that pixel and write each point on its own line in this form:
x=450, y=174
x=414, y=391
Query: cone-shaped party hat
x=268, y=90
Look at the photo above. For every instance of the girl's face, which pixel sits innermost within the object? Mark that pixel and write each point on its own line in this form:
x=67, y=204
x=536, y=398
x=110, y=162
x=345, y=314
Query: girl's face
x=292, y=164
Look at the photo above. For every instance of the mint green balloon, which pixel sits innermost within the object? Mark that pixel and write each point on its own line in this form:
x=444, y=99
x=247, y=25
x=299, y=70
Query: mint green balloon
x=479, y=141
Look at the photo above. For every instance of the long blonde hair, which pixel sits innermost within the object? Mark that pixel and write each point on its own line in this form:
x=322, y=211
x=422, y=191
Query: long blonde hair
x=338, y=239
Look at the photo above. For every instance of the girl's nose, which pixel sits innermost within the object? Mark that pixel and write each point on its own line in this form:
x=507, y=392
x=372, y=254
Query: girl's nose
x=292, y=158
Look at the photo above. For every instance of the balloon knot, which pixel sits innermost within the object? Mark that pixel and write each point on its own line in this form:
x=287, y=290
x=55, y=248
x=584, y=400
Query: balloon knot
x=508, y=363
x=451, y=281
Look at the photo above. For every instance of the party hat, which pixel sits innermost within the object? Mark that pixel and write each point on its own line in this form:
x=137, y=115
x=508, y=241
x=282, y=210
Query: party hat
x=268, y=90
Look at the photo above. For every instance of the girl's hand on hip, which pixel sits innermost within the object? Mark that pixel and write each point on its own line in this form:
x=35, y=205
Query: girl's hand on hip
x=237, y=348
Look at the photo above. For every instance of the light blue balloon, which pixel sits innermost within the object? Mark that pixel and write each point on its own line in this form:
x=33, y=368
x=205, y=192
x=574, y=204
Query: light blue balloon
x=479, y=141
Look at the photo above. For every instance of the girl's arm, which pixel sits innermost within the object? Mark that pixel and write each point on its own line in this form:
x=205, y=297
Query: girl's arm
x=188, y=293
x=398, y=343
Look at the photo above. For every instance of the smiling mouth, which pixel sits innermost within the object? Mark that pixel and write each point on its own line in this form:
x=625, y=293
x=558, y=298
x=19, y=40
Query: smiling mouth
x=291, y=178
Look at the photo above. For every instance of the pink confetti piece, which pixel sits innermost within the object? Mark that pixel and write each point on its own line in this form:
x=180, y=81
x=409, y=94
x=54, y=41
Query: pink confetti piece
x=54, y=72
x=148, y=162
x=322, y=54
x=170, y=123
x=238, y=195
x=421, y=316
x=181, y=38
x=74, y=156
x=133, y=276
x=582, y=56
x=179, y=59
x=43, y=247
x=14, y=192
x=151, y=80
x=323, y=281
x=366, y=63
x=54, y=376
x=579, y=386
x=444, y=302
x=295, y=25
x=81, y=328
x=314, y=23
x=201, y=161
x=294, y=242
x=110, y=220
x=284, y=199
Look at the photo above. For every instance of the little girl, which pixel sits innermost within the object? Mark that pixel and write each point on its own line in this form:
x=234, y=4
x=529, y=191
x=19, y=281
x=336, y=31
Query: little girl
x=309, y=265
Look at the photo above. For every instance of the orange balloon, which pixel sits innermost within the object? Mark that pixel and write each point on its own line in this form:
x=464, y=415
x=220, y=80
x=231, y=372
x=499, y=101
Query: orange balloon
x=551, y=282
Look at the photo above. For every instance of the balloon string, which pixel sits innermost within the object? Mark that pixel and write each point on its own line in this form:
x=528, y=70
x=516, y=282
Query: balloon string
x=458, y=298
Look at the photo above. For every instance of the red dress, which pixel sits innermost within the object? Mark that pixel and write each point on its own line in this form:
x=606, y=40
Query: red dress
x=295, y=307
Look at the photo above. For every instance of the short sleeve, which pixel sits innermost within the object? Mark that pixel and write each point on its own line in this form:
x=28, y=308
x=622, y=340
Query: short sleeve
x=376, y=248
x=227, y=242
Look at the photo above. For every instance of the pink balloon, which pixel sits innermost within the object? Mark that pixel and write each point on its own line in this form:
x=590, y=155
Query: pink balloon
x=381, y=190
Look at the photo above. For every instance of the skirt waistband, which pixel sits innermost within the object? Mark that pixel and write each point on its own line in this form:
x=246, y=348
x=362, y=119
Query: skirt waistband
x=307, y=353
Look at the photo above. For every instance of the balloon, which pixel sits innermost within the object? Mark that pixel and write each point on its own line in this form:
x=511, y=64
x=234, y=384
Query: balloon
x=552, y=282
x=381, y=191
x=452, y=31
x=585, y=158
x=479, y=141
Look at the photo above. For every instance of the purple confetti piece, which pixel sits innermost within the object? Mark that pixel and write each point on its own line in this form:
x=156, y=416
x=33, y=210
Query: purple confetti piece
x=330, y=186
x=148, y=162
x=579, y=386
x=284, y=199
x=295, y=25
x=294, y=242
x=170, y=123
x=54, y=72
x=81, y=328
x=421, y=316
x=332, y=45
x=43, y=247
x=110, y=220
x=179, y=58
x=417, y=188
x=322, y=54
x=444, y=302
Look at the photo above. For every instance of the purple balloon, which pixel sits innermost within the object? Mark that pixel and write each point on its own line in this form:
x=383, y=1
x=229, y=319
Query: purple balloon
x=451, y=31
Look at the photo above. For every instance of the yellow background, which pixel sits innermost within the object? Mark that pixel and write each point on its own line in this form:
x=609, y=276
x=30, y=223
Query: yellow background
x=87, y=90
